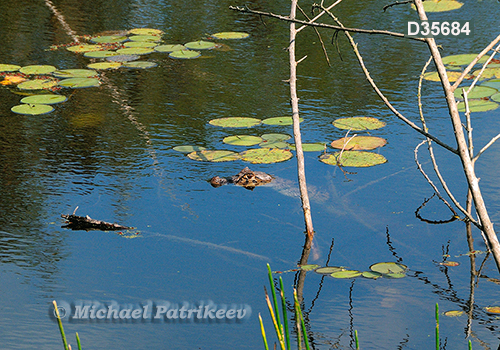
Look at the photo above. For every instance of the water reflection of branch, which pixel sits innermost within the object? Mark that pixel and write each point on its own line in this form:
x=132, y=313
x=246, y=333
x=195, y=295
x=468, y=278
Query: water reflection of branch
x=391, y=248
x=70, y=32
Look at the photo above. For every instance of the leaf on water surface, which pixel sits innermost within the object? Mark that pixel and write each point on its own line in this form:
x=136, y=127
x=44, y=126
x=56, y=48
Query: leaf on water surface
x=37, y=84
x=145, y=31
x=200, y=45
x=242, y=140
x=476, y=92
x=108, y=39
x=76, y=83
x=440, y=5
x=231, y=35
x=357, y=159
x=280, y=121
x=149, y=44
x=9, y=67
x=274, y=144
x=135, y=51
x=188, y=148
x=494, y=83
x=170, y=48
x=308, y=267
x=276, y=137
x=46, y=99
x=449, y=263
x=85, y=48
x=492, y=309
x=32, y=109
x=213, y=156
x=184, y=54
x=358, y=123
x=346, y=274
x=100, y=54
x=75, y=73
x=12, y=80
x=463, y=59
x=266, y=155
x=139, y=65
x=478, y=105
x=488, y=73
x=328, y=270
x=453, y=313
x=389, y=268
x=147, y=38
x=310, y=147
x=372, y=274
x=452, y=76
x=358, y=143
x=122, y=58
x=37, y=69
x=235, y=122
x=496, y=97
x=104, y=65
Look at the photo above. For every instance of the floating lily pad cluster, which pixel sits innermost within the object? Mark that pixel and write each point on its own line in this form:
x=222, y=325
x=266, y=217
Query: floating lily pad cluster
x=382, y=269
x=354, y=149
x=274, y=147
x=440, y=5
x=483, y=97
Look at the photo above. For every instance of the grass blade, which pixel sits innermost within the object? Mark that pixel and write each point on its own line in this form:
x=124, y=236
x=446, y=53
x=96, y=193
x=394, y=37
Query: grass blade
x=437, y=326
x=285, y=314
x=61, y=329
x=263, y=333
x=300, y=319
x=78, y=341
x=275, y=322
x=356, y=339
x=273, y=290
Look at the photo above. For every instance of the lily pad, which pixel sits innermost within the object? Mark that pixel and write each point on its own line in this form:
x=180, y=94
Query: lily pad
x=184, y=54
x=148, y=38
x=9, y=67
x=372, y=274
x=235, y=122
x=170, y=48
x=280, y=121
x=200, y=45
x=242, y=140
x=45, y=99
x=274, y=144
x=389, y=268
x=266, y=155
x=85, y=48
x=440, y=5
x=359, y=143
x=308, y=267
x=32, y=109
x=37, y=84
x=358, y=159
x=188, y=148
x=135, y=51
x=453, y=313
x=213, y=156
x=108, y=39
x=476, y=92
x=488, y=73
x=75, y=73
x=77, y=83
x=395, y=275
x=12, y=80
x=478, y=106
x=37, y=69
x=463, y=59
x=452, y=76
x=310, y=147
x=346, y=274
x=149, y=44
x=100, y=54
x=122, y=58
x=145, y=31
x=494, y=83
x=358, y=123
x=496, y=97
x=104, y=65
x=328, y=270
x=230, y=35
x=276, y=137
x=139, y=64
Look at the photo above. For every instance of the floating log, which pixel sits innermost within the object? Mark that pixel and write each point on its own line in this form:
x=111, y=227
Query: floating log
x=76, y=222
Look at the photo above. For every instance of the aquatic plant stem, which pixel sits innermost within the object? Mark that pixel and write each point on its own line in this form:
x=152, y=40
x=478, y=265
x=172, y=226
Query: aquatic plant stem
x=300, y=320
x=437, y=326
x=356, y=339
x=285, y=314
x=59, y=322
x=263, y=333
x=78, y=341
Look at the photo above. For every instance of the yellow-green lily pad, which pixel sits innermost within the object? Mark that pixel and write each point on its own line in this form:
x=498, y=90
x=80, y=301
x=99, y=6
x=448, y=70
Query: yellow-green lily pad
x=149, y=44
x=145, y=31
x=453, y=313
x=310, y=147
x=188, y=148
x=389, y=268
x=478, y=106
x=75, y=73
x=276, y=137
x=359, y=159
x=37, y=69
x=9, y=67
x=359, y=143
x=184, y=54
x=32, y=109
x=135, y=51
x=149, y=38
x=476, y=92
x=77, y=83
x=463, y=59
x=170, y=48
x=358, y=123
x=440, y=5
x=242, y=140
x=100, y=54
x=494, y=83
x=200, y=45
x=213, y=156
x=328, y=270
x=139, y=64
x=452, y=76
x=274, y=144
x=230, y=35
x=108, y=39
x=280, y=121
x=37, y=84
x=45, y=99
x=346, y=274
x=266, y=155
x=488, y=73
x=235, y=122
x=104, y=65
x=308, y=267
x=372, y=274
x=85, y=48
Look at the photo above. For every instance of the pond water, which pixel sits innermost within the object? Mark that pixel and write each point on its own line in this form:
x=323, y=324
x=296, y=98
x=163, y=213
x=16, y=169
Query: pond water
x=108, y=151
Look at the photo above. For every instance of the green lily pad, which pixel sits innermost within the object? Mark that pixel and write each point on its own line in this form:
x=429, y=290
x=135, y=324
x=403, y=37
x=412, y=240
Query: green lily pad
x=84, y=48
x=149, y=44
x=476, y=92
x=478, y=105
x=494, y=83
x=37, y=84
x=230, y=35
x=328, y=270
x=389, y=268
x=440, y=5
x=308, y=267
x=188, y=148
x=280, y=121
x=45, y=99
x=274, y=144
x=276, y=137
x=148, y=38
x=453, y=313
x=372, y=274
x=104, y=65
x=310, y=147
x=108, y=39
x=358, y=123
x=235, y=122
x=32, y=109
x=266, y=155
x=145, y=31
x=395, y=275
x=37, y=69
x=346, y=274
x=463, y=59
x=75, y=73
x=213, y=156
x=242, y=140
x=139, y=64
x=488, y=73
x=77, y=83
x=170, y=48
x=100, y=54
x=200, y=45
x=452, y=76
x=135, y=51
x=358, y=159
x=9, y=67
x=122, y=58
x=184, y=54
x=496, y=97
x=359, y=143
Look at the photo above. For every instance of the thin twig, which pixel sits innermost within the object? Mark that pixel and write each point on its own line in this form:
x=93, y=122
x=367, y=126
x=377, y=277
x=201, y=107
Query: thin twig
x=319, y=37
